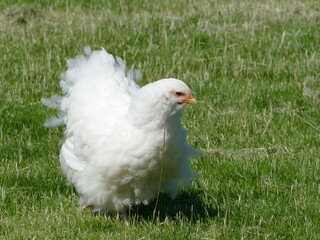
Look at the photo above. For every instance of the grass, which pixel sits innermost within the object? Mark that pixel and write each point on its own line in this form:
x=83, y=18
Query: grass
x=253, y=66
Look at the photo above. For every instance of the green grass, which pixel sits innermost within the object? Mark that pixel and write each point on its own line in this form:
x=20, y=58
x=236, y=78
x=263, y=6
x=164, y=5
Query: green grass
x=254, y=68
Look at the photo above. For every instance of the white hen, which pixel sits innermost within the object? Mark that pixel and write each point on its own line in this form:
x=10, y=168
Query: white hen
x=123, y=143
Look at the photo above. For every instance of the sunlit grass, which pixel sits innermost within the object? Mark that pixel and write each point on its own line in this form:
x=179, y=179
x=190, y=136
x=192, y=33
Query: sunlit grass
x=254, y=68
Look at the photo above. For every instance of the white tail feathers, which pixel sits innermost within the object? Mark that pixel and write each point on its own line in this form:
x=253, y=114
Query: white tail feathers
x=54, y=122
x=53, y=102
x=87, y=50
x=135, y=75
x=132, y=74
x=99, y=77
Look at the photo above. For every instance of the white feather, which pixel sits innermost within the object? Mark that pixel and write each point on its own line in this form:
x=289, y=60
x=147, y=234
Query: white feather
x=122, y=141
x=54, y=122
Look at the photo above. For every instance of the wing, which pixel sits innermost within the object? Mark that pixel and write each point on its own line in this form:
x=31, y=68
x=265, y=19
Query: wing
x=98, y=91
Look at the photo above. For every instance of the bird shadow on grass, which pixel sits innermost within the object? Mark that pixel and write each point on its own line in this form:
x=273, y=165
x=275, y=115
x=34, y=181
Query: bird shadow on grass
x=187, y=206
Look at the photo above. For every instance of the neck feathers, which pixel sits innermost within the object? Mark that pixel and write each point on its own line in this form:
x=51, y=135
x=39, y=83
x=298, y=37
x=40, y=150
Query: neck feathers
x=153, y=115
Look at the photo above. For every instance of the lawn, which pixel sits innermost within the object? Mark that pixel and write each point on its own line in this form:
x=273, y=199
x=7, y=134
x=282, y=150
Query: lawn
x=254, y=69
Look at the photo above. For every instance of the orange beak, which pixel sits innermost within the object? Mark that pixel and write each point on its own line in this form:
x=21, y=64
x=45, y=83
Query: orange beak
x=190, y=99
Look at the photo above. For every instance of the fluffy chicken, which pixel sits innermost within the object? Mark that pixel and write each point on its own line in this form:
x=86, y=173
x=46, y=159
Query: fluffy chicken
x=123, y=144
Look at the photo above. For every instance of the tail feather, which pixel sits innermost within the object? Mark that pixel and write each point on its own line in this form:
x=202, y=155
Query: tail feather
x=95, y=83
x=54, y=122
x=134, y=74
x=53, y=102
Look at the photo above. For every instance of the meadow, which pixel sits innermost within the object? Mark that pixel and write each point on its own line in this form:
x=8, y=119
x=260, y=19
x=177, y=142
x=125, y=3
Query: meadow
x=254, y=69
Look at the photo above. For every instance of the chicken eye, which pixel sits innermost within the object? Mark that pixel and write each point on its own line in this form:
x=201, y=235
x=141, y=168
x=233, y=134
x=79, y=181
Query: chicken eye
x=178, y=94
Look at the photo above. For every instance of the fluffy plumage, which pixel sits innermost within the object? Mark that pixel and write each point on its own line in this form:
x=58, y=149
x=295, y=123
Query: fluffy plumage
x=122, y=143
